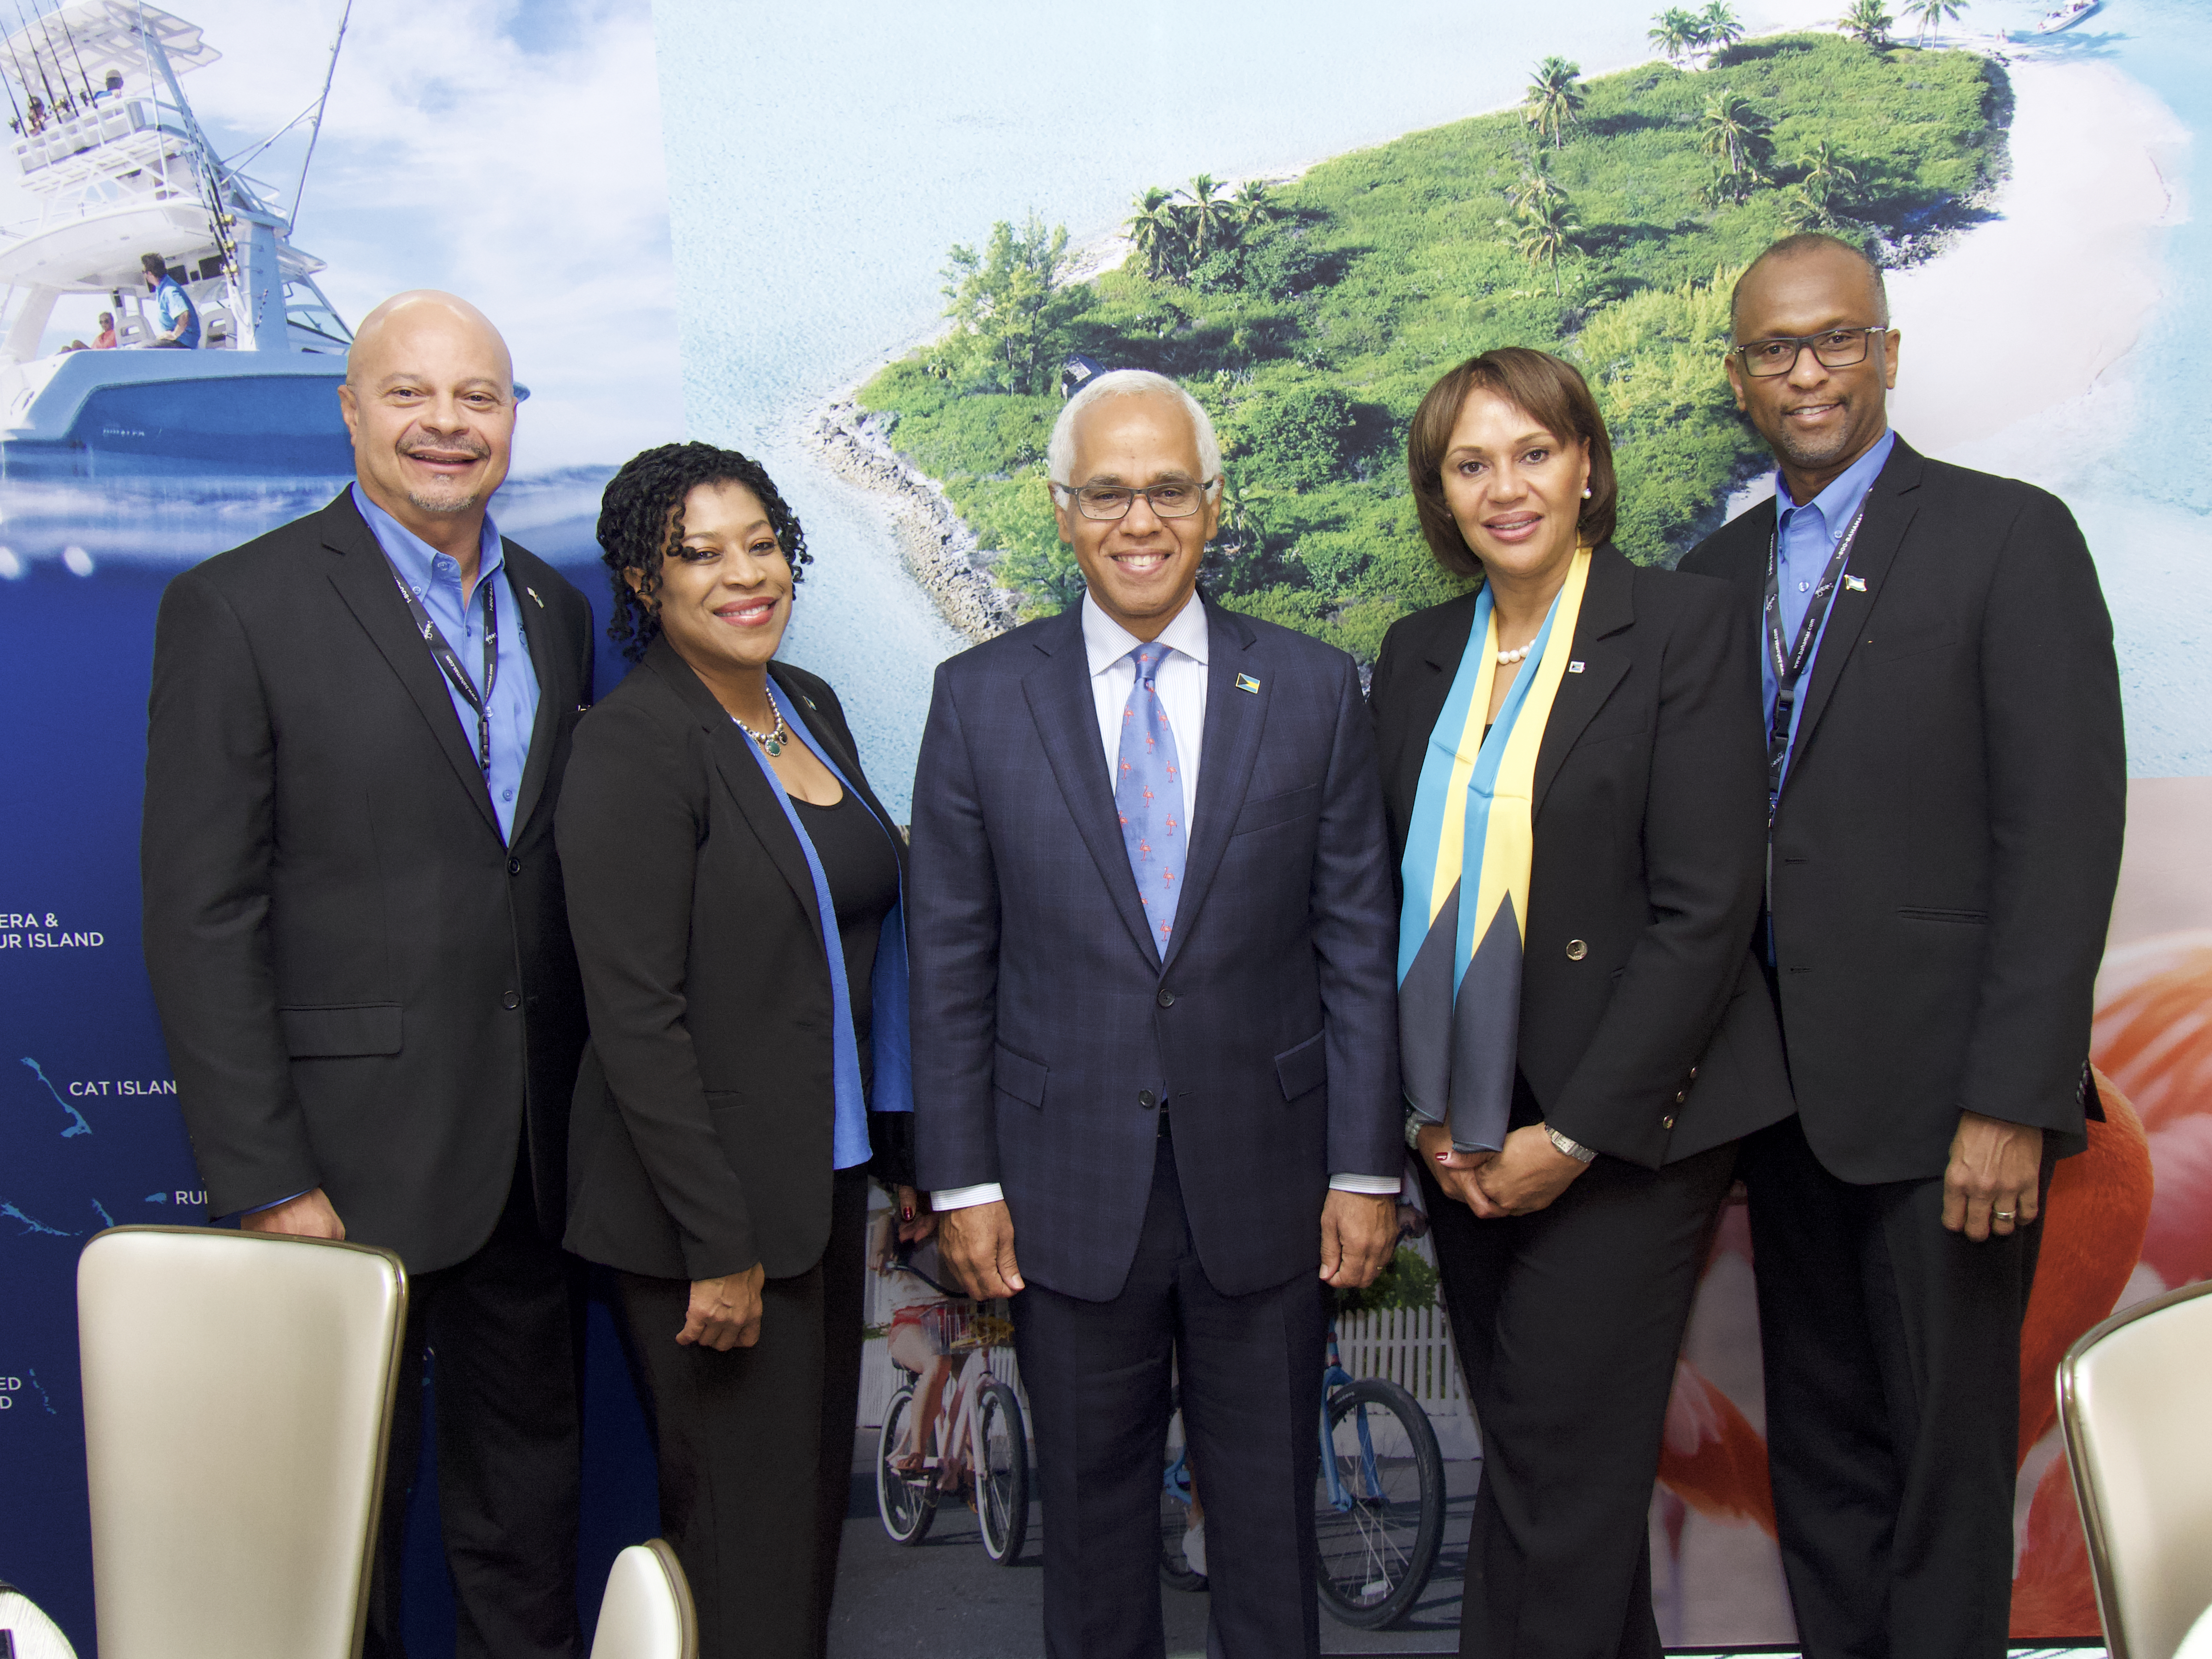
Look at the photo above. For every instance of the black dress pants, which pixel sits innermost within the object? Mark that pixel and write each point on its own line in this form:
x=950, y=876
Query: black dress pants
x=1100, y=1377
x=501, y=1324
x=756, y=1444
x=1892, y=1405
x=1567, y=1322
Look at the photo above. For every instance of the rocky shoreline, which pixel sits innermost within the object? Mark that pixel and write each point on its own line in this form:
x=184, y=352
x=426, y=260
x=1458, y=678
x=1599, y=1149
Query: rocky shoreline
x=941, y=551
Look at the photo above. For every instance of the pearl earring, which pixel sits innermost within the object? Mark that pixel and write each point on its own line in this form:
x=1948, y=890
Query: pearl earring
x=1586, y=492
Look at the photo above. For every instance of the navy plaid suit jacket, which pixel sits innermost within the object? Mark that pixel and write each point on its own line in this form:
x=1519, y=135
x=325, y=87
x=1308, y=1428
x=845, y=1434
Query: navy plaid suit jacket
x=1041, y=1010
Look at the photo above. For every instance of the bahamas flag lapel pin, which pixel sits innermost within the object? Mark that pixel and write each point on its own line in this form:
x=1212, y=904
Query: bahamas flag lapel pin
x=1246, y=683
x=533, y=592
x=1856, y=584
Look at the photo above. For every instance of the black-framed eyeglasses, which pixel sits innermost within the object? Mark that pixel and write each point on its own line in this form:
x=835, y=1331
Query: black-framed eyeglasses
x=1833, y=348
x=1178, y=500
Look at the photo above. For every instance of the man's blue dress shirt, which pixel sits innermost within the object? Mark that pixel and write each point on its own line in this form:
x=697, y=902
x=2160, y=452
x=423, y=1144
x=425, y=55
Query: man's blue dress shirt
x=1808, y=537
x=435, y=578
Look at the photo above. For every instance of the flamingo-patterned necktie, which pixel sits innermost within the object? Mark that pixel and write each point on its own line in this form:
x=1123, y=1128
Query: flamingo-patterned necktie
x=1148, y=795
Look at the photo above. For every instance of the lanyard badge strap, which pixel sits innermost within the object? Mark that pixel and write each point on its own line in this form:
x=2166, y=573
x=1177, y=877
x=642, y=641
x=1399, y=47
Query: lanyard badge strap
x=1789, y=659
x=442, y=652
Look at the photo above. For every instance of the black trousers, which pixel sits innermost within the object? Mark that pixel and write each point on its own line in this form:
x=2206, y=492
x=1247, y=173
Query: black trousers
x=1567, y=1322
x=502, y=1326
x=756, y=1444
x=1100, y=1377
x=1892, y=1405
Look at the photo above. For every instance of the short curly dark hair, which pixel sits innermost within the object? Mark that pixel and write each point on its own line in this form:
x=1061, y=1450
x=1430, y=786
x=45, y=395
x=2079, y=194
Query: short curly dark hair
x=642, y=522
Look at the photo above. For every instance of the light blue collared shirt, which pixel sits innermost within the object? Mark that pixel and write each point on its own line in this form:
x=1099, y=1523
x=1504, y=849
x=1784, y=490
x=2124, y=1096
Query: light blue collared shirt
x=1807, y=542
x=435, y=578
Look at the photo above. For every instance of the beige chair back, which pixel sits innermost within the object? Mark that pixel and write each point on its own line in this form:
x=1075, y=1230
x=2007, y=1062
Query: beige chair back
x=648, y=1612
x=2134, y=1396
x=237, y=1393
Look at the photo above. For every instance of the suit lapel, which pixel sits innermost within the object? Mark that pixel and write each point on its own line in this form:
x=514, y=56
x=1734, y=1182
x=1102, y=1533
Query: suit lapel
x=1596, y=666
x=1059, y=693
x=741, y=774
x=363, y=578
x=1234, y=720
x=840, y=751
x=1891, y=505
x=557, y=687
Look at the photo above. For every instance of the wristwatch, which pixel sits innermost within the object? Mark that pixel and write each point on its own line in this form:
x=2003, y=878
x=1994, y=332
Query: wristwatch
x=1573, y=1149
x=1414, y=1124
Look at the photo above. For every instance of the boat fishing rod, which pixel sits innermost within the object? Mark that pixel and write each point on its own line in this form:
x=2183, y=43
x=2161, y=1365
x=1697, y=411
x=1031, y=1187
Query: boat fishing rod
x=69, y=35
x=52, y=102
x=316, y=131
x=20, y=76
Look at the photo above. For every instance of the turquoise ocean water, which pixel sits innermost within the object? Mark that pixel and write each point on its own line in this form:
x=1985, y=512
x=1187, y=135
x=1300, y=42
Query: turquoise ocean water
x=818, y=171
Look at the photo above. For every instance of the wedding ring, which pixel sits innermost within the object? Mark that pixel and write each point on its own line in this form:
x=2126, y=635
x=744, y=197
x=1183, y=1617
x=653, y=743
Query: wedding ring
x=2002, y=1215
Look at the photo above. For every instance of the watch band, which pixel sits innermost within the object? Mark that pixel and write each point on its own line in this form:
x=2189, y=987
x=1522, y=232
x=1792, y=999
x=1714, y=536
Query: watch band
x=1414, y=1124
x=1573, y=1149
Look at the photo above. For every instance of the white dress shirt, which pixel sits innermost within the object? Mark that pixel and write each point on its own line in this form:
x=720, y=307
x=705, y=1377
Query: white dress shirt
x=1180, y=683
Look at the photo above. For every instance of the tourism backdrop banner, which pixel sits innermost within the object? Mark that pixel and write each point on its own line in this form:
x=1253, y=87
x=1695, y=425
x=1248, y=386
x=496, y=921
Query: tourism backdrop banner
x=867, y=253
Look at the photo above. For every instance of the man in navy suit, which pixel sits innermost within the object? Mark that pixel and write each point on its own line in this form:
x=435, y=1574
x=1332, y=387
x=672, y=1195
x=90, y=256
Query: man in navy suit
x=1154, y=1031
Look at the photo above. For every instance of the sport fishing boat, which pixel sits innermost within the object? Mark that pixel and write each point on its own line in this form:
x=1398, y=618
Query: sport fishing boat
x=2067, y=16
x=106, y=163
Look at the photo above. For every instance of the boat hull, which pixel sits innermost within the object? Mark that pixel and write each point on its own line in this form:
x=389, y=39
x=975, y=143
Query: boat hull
x=177, y=415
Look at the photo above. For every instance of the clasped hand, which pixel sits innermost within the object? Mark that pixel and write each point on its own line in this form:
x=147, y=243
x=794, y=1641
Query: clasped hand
x=1525, y=1175
x=725, y=1313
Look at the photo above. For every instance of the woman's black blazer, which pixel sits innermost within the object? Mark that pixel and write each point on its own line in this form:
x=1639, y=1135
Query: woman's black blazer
x=1646, y=1029
x=700, y=1141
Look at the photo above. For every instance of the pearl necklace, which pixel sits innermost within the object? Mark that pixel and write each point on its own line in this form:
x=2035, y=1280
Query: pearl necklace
x=771, y=741
x=1507, y=658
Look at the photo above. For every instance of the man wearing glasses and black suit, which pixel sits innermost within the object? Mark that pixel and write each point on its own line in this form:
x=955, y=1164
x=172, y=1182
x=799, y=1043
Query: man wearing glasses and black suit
x=1948, y=785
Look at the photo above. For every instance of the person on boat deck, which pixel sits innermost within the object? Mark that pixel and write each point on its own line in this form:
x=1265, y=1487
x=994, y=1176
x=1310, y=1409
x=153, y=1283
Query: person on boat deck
x=177, y=318
x=105, y=340
x=112, y=89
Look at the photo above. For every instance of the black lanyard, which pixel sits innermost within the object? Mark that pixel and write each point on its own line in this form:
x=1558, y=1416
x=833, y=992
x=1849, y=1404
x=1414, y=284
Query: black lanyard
x=443, y=654
x=1789, y=662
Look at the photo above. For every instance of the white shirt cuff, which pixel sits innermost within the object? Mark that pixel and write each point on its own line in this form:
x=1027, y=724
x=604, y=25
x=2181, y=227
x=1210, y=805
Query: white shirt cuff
x=966, y=1197
x=1373, y=1186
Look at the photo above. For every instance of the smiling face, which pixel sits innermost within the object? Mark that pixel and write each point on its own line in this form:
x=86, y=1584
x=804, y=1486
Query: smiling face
x=1515, y=490
x=725, y=595
x=1817, y=420
x=429, y=399
x=1140, y=568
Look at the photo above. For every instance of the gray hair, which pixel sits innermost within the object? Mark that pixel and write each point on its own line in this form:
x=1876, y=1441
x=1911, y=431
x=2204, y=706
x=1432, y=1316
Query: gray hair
x=1059, y=454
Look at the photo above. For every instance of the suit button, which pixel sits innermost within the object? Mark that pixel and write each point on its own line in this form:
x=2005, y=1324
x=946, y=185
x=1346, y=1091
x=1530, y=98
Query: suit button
x=1576, y=949
x=514, y=866
x=1166, y=998
x=1667, y=1122
x=510, y=1000
x=1681, y=1094
x=1694, y=1071
x=1147, y=1099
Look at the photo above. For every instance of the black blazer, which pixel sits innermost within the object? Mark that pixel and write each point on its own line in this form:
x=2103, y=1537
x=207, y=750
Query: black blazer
x=701, y=1135
x=361, y=987
x=1645, y=1031
x=1948, y=836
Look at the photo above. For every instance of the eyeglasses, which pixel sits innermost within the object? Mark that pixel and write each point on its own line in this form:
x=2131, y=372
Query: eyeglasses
x=1833, y=347
x=1167, y=500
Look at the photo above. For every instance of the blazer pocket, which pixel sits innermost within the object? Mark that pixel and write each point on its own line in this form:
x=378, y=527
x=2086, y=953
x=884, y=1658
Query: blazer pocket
x=1272, y=810
x=1019, y=1076
x=1305, y=1068
x=1968, y=918
x=354, y=1028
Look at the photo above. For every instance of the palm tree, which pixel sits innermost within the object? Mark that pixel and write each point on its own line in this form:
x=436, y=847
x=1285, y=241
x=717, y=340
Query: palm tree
x=1933, y=15
x=1543, y=235
x=1553, y=101
x=1720, y=26
x=1204, y=216
x=1736, y=137
x=1826, y=179
x=1536, y=187
x=1153, y=232
x=1866, y=23
x=1674, y=31
x=1252, y=205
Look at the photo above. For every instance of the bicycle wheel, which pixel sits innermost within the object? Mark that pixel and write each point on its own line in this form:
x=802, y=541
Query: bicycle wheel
x=1002, y=1473
x=1177, y=1571
x=907, y=1502
x=1379, y=1530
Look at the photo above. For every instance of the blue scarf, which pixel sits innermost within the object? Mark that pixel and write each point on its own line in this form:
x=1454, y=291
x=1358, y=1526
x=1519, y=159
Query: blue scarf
x=887, y=984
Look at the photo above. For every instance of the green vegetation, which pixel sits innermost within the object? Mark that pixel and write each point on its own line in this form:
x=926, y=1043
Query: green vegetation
x=1405, y=1282
x=1310, y=318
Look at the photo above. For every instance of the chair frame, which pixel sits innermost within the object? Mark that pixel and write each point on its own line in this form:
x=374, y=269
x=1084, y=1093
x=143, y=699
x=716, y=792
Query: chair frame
x=393, y=1366
x=2070, y=1419
x=687, y=1610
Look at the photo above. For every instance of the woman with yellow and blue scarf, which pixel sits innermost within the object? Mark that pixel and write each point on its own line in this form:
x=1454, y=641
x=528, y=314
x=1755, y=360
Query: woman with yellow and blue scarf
x=1572, y=762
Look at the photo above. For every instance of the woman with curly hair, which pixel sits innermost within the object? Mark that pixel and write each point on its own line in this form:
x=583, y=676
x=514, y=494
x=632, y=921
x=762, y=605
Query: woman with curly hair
x=733, y=889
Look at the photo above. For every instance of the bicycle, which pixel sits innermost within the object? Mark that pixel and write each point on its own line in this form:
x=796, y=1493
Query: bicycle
x=981, y=1437
x=1379, y=1505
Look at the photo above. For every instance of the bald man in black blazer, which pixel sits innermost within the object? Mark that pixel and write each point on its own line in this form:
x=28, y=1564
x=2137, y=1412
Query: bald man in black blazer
x=1948, y=787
